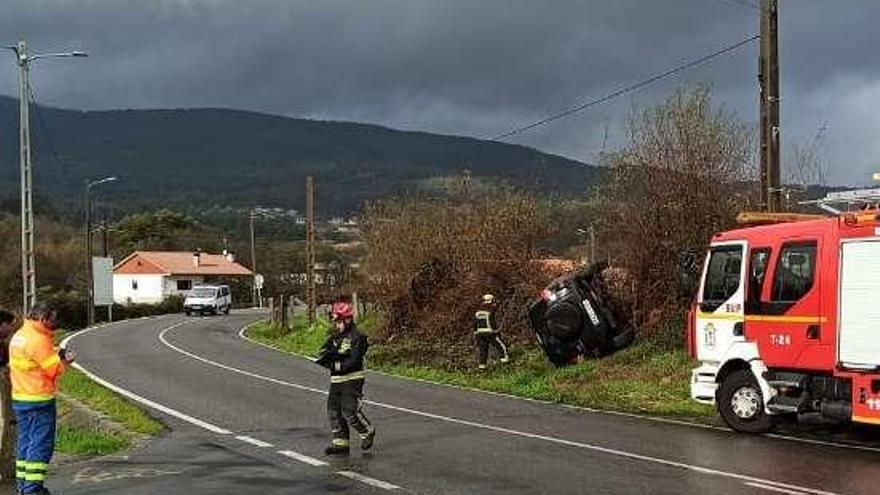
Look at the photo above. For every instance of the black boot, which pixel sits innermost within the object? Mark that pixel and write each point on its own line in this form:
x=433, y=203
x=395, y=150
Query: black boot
x=337, y=449
x=368, y=439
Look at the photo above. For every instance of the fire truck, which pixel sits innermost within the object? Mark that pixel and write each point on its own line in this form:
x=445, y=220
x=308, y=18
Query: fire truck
x=786, y=321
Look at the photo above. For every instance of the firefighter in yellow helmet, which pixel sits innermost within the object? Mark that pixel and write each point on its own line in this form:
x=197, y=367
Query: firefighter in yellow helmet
x=487, y=334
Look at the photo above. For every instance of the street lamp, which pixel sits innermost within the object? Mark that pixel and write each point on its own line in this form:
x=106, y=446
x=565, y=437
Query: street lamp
x=28, y=266
x=90, y=309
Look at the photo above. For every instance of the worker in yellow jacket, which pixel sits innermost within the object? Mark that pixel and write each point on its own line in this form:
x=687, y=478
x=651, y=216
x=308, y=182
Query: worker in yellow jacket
x=35, y=365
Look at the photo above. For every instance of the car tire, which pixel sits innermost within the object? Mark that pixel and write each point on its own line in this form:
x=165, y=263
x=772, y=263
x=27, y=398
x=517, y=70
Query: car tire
x=741, y=404
x=188, y=313
x=226, y=310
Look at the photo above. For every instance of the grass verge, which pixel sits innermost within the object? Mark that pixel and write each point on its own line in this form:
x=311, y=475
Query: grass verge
x=644, y=378
x=74, y=437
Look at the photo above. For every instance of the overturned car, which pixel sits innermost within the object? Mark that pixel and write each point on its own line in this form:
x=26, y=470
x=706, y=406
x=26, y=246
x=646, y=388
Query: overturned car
x=576, y=317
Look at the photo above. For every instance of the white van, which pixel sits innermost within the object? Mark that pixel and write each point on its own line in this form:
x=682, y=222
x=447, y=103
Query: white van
x=210, y=299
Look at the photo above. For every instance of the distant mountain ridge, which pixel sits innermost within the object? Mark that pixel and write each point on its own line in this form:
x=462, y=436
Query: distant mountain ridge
x=192, y=157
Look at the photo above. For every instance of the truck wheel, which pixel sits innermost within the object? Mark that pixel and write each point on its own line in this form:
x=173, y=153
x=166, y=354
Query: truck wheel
x=741, y=403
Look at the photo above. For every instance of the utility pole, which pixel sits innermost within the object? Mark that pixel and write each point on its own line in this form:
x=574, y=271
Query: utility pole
x=257, y=296
x=90, y=270
x=768, y=77
x=105, y=238
x=28, y=263
x=310, y=248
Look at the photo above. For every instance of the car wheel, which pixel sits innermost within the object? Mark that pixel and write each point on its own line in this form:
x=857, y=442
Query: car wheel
x=741, y=403
x=226, y=310
x=188, y=313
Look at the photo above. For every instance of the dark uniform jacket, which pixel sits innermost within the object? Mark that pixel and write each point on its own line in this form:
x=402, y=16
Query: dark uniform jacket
x=343, y=354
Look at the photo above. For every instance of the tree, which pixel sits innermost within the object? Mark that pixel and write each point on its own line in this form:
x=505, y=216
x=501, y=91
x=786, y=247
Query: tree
x=687, y=170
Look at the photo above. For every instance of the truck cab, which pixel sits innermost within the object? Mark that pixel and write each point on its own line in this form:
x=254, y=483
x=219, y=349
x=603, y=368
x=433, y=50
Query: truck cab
x=786, y=323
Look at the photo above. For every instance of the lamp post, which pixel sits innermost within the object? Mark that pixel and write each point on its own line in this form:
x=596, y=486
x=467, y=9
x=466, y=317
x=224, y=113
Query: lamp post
x=28, y=268
x=90, y=276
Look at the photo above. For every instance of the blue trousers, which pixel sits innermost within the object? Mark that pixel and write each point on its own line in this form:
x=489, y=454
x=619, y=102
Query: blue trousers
x=36, y=443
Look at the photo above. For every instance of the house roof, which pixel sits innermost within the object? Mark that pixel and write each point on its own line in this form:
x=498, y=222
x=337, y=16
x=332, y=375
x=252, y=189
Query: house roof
x=179, y=263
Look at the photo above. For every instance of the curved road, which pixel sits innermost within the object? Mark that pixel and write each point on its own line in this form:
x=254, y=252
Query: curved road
x=248, y=419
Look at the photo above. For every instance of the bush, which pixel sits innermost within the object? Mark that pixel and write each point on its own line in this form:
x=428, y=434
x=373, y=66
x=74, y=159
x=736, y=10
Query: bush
x=684, y=175
x=430, y=260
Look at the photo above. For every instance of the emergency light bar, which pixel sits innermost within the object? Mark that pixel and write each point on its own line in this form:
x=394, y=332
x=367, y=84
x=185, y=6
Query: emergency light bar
x=849, y=198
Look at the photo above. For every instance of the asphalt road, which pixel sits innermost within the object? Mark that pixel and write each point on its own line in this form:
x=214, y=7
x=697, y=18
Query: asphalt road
x=248, y=419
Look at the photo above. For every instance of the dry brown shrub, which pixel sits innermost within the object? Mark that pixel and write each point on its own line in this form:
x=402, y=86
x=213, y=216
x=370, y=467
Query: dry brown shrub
x=685, y=173
x=430, y=260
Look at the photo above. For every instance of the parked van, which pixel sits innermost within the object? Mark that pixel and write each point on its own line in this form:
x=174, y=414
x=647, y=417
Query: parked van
x=208, y=299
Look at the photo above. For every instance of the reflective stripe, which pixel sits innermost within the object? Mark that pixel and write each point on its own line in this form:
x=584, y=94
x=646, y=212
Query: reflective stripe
x=33, y=397
x=356, y=375
x=340, y=442
x=485, y=324
x=35, y=476
x=36, y=466
x=51, y=361
x=22, y=364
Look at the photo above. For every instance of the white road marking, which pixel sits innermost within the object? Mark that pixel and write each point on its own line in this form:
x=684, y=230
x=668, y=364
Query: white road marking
x=302, y=458
x=243, y=335
x=774, y=489
x=509, y=431
x=367, y=480
x=147, y=402
x=254, y=441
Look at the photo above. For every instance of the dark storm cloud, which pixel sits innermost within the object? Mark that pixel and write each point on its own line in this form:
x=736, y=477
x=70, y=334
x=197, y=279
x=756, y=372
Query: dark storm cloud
x=474, y=67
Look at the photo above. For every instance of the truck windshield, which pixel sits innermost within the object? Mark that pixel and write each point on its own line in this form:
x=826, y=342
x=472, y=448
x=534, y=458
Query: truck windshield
x=722, y=276
x=203, y=292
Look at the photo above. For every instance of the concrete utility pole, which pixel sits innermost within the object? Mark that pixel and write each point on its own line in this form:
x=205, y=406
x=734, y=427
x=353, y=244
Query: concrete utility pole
x=310, y=249
x=257, y=296
x=28, y=264
x=28, y=268
x=90, y=275
x=768, y=77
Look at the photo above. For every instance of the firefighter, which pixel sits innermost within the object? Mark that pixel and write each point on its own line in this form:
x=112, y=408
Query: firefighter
x=35, y=366
x=486, y=333
x=343, y=354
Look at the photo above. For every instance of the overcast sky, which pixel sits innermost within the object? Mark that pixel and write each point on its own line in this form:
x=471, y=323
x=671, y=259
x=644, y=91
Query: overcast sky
x=469, y=67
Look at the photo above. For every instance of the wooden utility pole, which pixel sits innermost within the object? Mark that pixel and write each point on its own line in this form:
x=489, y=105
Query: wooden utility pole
x=768, y=77
x=310, y=248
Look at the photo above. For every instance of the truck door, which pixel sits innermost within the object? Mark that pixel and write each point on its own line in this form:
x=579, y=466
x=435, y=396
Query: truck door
x=719, y=320
x=787, y=323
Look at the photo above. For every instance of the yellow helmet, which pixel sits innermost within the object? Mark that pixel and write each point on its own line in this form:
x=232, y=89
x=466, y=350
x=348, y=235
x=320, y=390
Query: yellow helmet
x=488, y=299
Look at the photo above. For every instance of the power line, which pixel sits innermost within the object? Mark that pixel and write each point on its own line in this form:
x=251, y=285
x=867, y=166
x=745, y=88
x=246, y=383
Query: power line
x=44, y=128
x=745, y=3
x=627, y=89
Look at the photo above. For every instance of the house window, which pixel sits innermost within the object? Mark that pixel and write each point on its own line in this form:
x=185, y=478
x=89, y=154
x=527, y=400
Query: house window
x=134, y=285
x=183, y=285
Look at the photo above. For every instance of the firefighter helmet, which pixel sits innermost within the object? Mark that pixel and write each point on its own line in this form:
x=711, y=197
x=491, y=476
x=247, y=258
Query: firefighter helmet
x=342, y=311
x=488, y=299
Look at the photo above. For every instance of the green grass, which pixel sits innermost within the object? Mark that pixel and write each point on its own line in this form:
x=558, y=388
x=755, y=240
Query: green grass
x=644, y=378
x=77, y=385
x=80, y=440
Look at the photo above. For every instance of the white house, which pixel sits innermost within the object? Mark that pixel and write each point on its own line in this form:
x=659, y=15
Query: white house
x=148, y=277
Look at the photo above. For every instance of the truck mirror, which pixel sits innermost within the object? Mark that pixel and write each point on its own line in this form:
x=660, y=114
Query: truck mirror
x=688, y=273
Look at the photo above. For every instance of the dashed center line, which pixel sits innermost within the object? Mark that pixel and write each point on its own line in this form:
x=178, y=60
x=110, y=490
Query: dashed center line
x=367, y=480
x=254, y=441
x=311, y=461
x=774, y=489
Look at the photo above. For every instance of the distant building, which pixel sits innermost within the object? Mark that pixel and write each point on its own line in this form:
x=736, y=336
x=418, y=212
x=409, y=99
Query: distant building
x=148, y=277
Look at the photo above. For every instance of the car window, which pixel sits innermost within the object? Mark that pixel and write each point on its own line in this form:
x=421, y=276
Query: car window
x=758, y=262
x=203, y=292
x=722, y=276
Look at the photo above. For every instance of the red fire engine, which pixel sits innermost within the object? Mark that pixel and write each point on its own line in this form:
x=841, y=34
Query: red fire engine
x=787, y=319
